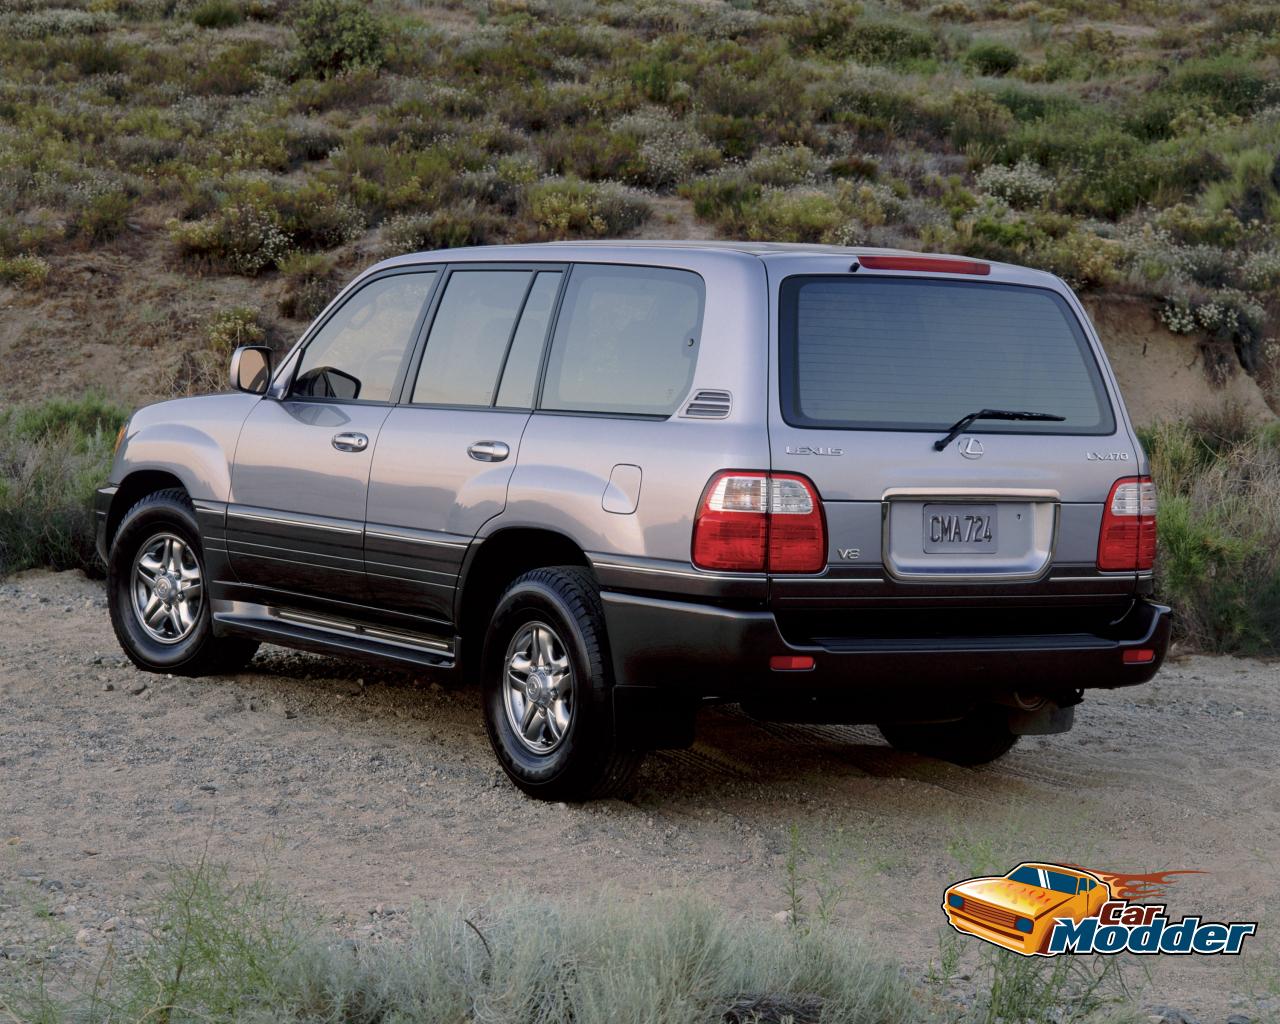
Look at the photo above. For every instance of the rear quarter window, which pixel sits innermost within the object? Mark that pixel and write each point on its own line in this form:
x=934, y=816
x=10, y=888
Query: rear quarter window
x=626, y=341
x=880, y=353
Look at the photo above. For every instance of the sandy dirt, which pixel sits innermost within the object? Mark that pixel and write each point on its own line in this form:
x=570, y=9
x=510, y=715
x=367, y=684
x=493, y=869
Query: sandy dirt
x=365, y=790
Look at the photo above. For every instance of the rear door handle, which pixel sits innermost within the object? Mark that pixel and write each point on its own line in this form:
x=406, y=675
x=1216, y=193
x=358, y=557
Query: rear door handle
x=350, y=442
x=488, y=451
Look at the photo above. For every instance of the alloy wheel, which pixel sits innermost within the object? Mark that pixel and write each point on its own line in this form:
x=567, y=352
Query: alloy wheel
x=538, y=687
x=167, y=588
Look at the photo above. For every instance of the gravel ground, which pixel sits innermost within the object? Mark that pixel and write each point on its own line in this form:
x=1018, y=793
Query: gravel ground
x=364, y=791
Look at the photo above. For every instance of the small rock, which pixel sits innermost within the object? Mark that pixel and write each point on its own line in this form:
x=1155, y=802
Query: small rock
x=138, y=689
x=783, y=917
x=1239, y=1018
x=182, y=807
x=208, y=788
x=108, y=687
x=1171, y=1015
x=111, y=924
x=83, y=937
x=50, y=885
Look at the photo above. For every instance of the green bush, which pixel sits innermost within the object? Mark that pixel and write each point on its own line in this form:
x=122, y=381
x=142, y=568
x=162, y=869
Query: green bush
x=310, y=282
x=260, y=223
x=989, y=57
x=1251, y=191
x=99, y=216
x=593, y=152
x=335, y=36
x=889, y=42
x=1219, y=531
x=841, y=30
x=568, y=208
x=453, y=227
x=233, y=327
x=24, y=271
x=232, y=71
x=52, y=457
x=217, y=14
x=243, y=237
x=1231, y=84
x=794, y=215
x=721, y=198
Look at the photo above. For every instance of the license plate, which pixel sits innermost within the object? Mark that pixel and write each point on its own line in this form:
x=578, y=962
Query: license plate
x=960, y=529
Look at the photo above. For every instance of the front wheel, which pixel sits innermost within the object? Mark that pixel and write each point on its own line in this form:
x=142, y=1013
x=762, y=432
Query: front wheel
x=981, y=736
x=157, y=591
x=548, y=695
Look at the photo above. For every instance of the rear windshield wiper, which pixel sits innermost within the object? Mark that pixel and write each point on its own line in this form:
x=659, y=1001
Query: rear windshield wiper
x=991, y=414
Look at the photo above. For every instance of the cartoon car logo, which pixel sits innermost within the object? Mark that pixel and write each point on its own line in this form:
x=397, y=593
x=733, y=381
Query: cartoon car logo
x=1019, y=910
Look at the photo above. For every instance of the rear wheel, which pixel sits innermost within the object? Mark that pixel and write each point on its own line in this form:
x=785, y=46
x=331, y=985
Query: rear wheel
x=981, y=736
x=548, y=695
x=157, y=592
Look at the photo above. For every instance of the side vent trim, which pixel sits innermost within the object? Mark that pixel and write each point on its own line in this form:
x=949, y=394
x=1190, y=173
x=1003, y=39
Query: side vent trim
x=709, y=405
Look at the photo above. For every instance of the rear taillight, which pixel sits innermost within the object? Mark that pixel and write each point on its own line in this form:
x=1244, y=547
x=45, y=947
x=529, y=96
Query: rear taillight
x=1127, y=540
x=757, y=522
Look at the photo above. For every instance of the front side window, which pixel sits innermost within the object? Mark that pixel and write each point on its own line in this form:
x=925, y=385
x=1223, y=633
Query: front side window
x=626, y=341
x=880, y=353
x=358, y=353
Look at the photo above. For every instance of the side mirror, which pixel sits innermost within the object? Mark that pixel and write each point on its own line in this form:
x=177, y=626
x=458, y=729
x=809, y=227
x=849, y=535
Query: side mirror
x=251, y=369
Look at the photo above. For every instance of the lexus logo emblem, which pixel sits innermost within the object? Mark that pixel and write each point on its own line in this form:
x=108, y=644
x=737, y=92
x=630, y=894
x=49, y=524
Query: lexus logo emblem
x=971, y=448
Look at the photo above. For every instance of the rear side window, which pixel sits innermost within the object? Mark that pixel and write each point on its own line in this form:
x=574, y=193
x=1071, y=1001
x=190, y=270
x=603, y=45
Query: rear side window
x=520, y=375
x=917, y=354
x=469, y=337
x=626, y=341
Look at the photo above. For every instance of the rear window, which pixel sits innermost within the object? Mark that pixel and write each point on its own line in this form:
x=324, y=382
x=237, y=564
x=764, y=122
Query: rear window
x=876, y=353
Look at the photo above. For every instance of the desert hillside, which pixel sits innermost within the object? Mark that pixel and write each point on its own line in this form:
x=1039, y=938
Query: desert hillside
x=182, y=176
x=177, y=176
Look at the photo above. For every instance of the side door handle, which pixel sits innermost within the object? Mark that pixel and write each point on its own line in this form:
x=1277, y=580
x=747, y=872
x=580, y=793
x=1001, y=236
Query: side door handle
x=350, y=442
x=489, y=451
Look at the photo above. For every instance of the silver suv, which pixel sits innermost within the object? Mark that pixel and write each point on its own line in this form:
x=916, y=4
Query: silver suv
x=615, y=481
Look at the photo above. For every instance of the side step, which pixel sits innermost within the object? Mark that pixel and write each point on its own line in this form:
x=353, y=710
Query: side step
x=325, y=635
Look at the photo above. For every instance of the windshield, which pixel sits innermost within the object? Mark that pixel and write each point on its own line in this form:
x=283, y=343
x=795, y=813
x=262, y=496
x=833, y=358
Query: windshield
x=1044, y=878
x=881, y=353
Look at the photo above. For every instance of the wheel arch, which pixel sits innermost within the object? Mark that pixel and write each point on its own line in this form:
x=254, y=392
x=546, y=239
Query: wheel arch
x=492, y=562
x=132, y=489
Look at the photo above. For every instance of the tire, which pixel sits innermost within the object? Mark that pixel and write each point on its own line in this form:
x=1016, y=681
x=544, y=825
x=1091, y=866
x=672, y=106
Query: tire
x=548, y=634
x=980, y=737
x=161, y=530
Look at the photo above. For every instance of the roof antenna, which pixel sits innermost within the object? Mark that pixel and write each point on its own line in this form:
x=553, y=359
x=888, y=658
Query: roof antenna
x=853, y=267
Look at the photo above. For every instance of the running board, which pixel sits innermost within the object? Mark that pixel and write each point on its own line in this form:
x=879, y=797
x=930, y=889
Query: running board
x=325, y=635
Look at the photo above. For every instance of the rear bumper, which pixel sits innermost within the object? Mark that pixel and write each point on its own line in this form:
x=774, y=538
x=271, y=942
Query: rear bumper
x=711, y=651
